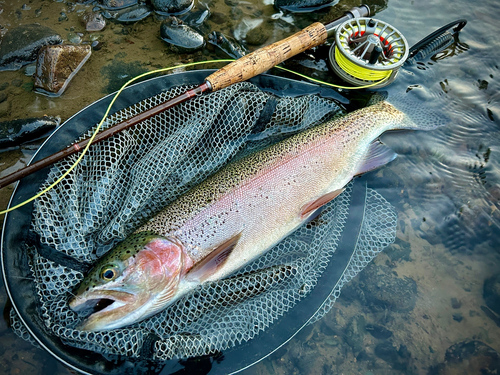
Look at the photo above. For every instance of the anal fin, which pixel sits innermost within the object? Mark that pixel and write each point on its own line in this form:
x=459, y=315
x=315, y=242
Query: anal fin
x=377, y=155
x=215, y=260
x=312, y=206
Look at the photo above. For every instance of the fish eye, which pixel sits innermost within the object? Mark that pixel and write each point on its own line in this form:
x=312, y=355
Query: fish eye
x=109, y=273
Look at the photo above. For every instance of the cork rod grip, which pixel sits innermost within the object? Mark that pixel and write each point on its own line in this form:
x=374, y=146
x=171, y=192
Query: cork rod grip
x=265, y=58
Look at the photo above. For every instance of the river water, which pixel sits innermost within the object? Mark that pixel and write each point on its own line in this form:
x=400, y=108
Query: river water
x=445, y=185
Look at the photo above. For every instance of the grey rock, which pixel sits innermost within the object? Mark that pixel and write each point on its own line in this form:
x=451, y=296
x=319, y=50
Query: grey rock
x=16, y=132
x=378, y=332
x=172, y=6
x=20, y=45
x=128, y=15
x=257, y=36
x=385, y=290
x=491, y=293
x=468, y=357
x=5, y=108
x=397, y=358
x=180, y=37
x=226, y=44
x=118, y=4
x=303, y=5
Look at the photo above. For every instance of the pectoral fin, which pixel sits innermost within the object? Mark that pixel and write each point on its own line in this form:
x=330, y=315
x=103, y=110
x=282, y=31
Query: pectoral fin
x=215, y=260
x=378, y=155
x=312, y=206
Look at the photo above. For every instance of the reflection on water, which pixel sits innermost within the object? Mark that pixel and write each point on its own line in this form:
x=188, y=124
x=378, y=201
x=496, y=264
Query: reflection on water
x=421, y=301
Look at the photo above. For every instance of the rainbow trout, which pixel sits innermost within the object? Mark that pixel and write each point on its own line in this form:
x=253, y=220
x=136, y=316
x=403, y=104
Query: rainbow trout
x=233, y=217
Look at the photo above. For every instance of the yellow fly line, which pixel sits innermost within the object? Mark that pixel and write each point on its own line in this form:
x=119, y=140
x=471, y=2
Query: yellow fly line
x=82, y=154
x=358, y=71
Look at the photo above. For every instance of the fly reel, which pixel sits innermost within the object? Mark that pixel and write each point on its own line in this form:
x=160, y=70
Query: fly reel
x=367, y=51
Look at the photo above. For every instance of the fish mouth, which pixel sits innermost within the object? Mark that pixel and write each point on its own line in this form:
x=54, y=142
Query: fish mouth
x=99, y=309
x=91, y=306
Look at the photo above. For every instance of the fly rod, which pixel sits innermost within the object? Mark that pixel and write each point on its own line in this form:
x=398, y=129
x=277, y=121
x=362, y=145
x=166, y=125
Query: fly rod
x=239, y=70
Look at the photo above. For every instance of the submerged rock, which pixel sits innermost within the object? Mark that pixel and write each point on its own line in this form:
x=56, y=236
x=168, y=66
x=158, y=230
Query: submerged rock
x=118, y=4
x=397, y=358
x=57, y=65
x=303, y=5
x=491, y=293
x=128, y=15
x=93, y=21
x=378, y=332
x=16, y=132
x=172, y=6
x=468, y=357
x=258, y=35
x=20, y=45
x=384, y=290
x=197, y=20
x=226, y=44
x=180, y=37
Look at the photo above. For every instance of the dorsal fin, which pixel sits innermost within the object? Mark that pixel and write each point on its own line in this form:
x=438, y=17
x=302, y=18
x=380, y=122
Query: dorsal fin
x=377, y=155
x=215, y=260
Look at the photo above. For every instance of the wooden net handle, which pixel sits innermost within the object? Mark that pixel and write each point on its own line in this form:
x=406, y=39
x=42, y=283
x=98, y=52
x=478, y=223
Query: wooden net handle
x=265, y=58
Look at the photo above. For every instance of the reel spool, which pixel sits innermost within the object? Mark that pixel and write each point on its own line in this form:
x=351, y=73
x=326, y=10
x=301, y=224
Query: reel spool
x=366, y=51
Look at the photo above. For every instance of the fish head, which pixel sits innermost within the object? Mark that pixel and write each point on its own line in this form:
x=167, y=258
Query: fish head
x=133, y=281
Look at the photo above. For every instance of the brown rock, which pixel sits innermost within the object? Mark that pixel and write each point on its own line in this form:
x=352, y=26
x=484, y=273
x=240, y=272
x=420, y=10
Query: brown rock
x=94, y=21
x=56, y=66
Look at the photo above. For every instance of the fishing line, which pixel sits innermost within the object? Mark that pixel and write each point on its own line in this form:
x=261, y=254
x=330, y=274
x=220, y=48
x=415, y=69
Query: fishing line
x=358, y=71
x=82, y=154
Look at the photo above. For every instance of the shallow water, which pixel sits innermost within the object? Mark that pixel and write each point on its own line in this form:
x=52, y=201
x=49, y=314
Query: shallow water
x=445, y=185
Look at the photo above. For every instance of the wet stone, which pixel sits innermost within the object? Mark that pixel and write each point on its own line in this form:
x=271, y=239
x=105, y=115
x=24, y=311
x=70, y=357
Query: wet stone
x=118, y=4
x=378, y=332
x=181, y=38
x=302, y=5
x=63, y=17
x=257, y=36
x=30, y=70
x=491, y=293
x=354, y=333
x=128, y=15
x=458, y=317
x=5, y=108
x=172, y=6
x=385, y=290
x=490, y=314
x=219, y=18
x=74, y=38
x=399, y=250
x=197, y=20
x=468, y=357
x=16, y=132
x=397, y=358
x=96, y=45
x=17, y=82
x=57, y=65
x=20, y=45
x=93, y=21
x=455, y=303
x=226, y=45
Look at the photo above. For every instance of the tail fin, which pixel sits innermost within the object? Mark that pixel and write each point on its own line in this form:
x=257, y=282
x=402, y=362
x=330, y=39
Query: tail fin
x=420, y=109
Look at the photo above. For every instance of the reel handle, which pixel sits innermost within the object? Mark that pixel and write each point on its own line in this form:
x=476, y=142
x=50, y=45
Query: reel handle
x=267, y=57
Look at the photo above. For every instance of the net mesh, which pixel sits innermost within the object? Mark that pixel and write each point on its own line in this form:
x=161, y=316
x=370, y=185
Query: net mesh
x=128, y=178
